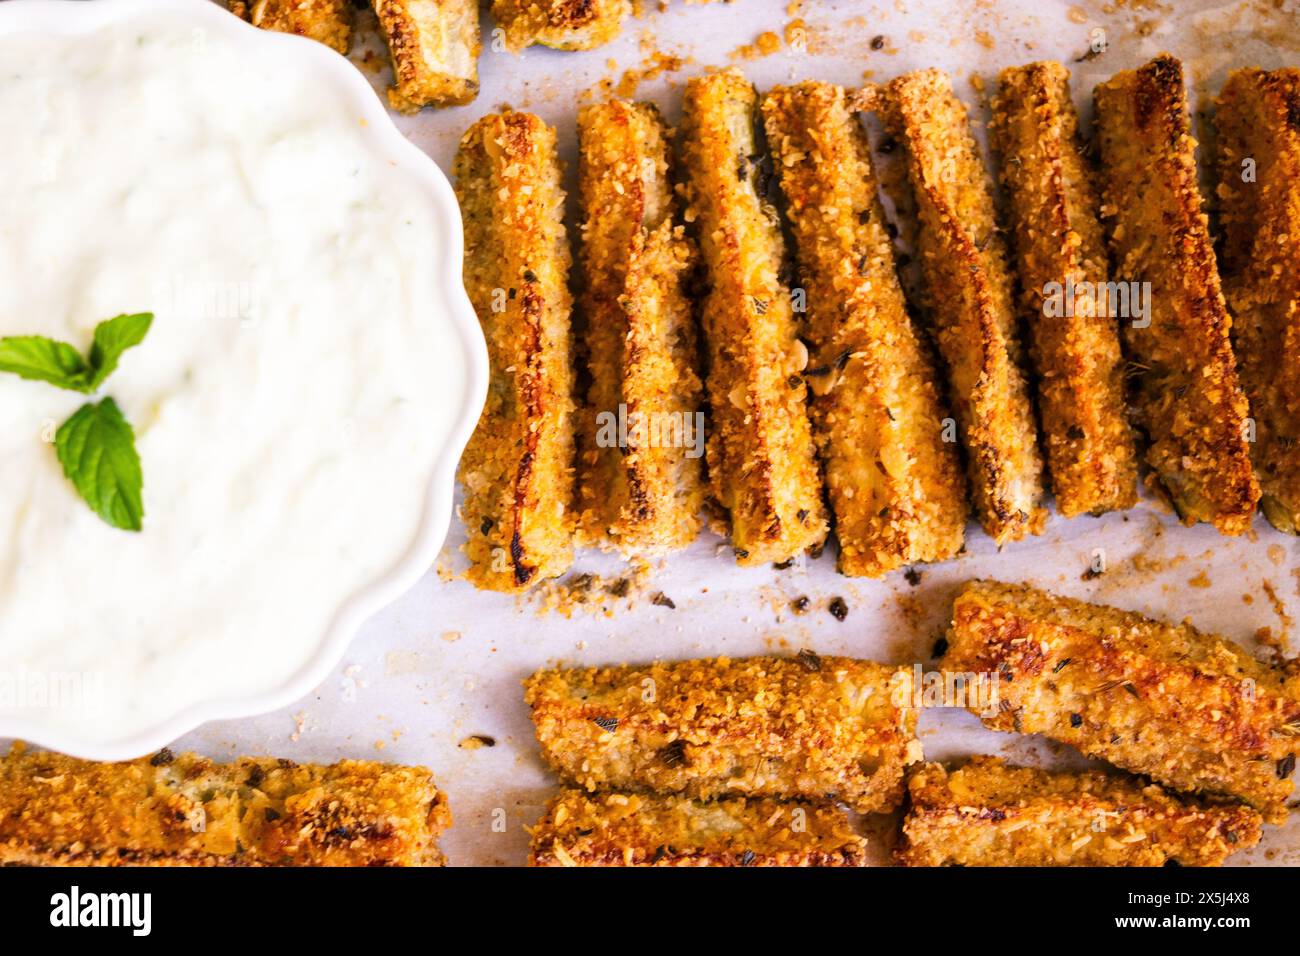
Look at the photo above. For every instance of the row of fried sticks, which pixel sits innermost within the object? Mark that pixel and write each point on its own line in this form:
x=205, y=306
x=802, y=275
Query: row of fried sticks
x=873, y=441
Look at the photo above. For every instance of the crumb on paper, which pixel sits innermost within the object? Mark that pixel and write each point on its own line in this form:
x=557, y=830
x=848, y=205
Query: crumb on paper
x=477, y=742
x=595, y=593
x=1199, y=580
x=1279, y=608
x=765, y=44
x=299, y=726
x=451, y=636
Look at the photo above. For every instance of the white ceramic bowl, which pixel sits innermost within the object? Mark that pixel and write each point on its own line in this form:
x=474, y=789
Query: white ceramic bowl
x=63, y=17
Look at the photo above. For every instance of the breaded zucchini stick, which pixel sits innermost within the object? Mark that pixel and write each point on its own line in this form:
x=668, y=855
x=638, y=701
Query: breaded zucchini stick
x=1074, y=340
x=435, y=46
x=518, y=466
x=968, y=287
x=762, y=461
x=645, y=497
x=1188, y=400
x=325, y=21
x=806, y=726
x=185, y=810
x=618, y=829
x=895, y=487
x=989, y=813
x=1192, y=711
x=1258, y=120
x=562, y=24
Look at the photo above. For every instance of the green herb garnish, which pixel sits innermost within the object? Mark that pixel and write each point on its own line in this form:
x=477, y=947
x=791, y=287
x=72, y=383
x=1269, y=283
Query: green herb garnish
x=96, y=446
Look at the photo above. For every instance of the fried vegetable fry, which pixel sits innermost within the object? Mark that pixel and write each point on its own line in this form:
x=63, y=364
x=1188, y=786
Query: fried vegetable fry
x=645, y=497
x=562, y=24
x=518, y=466
x=807, y=726
x=989, y=813
x=1258, y=123
x=1188, y=400
x=1192, y=711
x=325, y=21
x=969, y=294
x=618, y=829
x=435, y=47
x=1061, y=253
x=761, y=457
x=185, y=810
x=895, y=487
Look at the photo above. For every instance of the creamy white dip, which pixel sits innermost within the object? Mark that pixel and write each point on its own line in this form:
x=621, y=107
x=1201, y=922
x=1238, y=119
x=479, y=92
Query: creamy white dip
x=289, y=400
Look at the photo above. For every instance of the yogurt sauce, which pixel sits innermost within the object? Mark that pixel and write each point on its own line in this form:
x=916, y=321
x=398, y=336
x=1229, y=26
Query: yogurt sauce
x=289, y=402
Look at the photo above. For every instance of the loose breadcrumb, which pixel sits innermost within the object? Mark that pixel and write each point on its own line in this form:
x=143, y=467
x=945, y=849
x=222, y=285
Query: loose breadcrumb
x=806, y=726
x=518, y=467
x=185, y=810
x=617, y=829
x=895, y=486
x=1074, y=340
x=990, y=813
x=1187, y=399
x=1192, y=711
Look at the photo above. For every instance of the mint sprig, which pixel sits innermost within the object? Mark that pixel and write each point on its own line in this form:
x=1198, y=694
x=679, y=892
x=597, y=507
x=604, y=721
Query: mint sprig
x=96, y=446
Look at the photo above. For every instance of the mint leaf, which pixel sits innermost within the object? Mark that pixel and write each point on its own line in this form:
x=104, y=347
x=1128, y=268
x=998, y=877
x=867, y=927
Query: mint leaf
x=39, y=359
x=112, y=338
x=96, y=447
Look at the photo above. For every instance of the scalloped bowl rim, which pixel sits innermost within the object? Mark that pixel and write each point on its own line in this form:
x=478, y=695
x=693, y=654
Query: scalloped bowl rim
x=68, y=17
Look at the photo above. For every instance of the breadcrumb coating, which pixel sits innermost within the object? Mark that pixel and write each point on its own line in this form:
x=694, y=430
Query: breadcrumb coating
x=806, y=726
x=518, y=467
x=969, y=293
x=1055, y=209
x=761, y=457
x=990, y=813
x=1192, y=711
x=562, y=24
x=647, y=497
x=896, y=488
x=325, y=21
x=1187, y=397
x=435, y=47
x=185, y=810
x=620, y=829
x=1258, y=125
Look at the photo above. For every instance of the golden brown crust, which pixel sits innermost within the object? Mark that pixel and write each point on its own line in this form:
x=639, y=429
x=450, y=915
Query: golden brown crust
x=761, y=457
x=641, y=342
x=1258, y=124
x=990, y=813
x=1091, y=453
x=1187, y=400
x=968, y=287
x=435, y=46
x=806, y=726
x=1192, y=711
x=895, y=487
x=562, y=24
x=518, y=467
x=185, y=810
x=617, y=829
x=325, y=21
